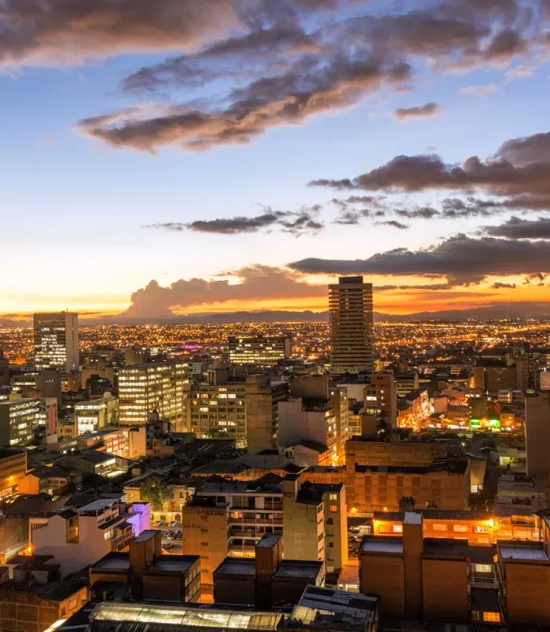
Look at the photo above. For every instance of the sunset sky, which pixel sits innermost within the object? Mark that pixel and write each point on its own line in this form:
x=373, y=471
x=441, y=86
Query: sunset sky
x=186, y=156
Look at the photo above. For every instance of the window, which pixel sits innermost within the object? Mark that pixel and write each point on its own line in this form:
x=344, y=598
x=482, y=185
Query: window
x=333, y=509
x=460, y=528
x=385, y=528
x=491, y=617
x=483, y=568
x=439, y=527
x=333, y=496
x=481, y=529
x=398, y=528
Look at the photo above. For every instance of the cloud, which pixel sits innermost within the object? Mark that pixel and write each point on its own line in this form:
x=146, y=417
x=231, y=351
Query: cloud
x=516, y=228
x=53, y=32
x=504, y=286
x=287, y=99
x=479, y=90
x=460, y=259
x=519, y=171
x=421, y=111
x=253, y=283
x=394, y=224
x=284, y=62
x=295, y=222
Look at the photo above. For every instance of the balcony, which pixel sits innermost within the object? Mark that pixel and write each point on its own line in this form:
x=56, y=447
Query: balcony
x=483, y=581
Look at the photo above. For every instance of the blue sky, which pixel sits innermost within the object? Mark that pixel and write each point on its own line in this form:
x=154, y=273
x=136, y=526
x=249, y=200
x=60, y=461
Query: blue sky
x=74, y=208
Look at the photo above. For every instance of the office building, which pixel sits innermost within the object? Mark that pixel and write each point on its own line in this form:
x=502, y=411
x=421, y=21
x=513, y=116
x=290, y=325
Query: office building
x=316, y=414
x=13, y=468
x=246, y=411
x=262, y=397
x=217, y=409
x=144, y=573
x=18, y=419
x=153, y=388
x=259, y=351
x=381, y=398
x=56, y=341
x=95, y=414
x=351, y=326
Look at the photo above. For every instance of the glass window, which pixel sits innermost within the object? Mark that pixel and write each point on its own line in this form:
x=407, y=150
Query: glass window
x=481, y=529
x=439, y=527
x=460, y=528
x=483, y=568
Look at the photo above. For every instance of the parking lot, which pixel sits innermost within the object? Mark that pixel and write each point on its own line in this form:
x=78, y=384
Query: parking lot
x=171, y=535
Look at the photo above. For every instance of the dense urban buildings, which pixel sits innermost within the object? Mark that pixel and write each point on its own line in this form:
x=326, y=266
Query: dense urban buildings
x=351, y=326
x=220, y=465
x=56, y=344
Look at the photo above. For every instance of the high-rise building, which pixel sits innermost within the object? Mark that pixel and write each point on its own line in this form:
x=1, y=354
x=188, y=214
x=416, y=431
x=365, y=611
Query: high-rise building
x=351, y=325
x=18, y=419
x=160, y=388
x=259, y=351
x=56, y=341
x=537, y=436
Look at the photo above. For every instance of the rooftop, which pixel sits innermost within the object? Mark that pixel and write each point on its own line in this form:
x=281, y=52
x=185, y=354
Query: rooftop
x=529, y=551
x=393, y=546
x=126, y=617
x=268, y=541
x=114, y=561
x=446, y=547
x=300, y=569
x=98, y=505
x=146, y=535
x=174, y=563
x=234, y=566
x=6, y=453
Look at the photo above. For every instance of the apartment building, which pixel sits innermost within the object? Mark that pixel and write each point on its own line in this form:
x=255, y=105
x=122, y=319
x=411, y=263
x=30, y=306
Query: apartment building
x=79, y=536
x=18, y=419
x=95, y=414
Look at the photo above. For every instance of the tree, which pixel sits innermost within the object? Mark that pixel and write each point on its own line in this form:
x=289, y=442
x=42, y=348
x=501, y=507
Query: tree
x=155, y=491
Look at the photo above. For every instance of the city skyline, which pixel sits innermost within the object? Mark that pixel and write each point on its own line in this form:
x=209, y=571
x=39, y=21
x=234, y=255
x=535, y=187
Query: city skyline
x=176, y=157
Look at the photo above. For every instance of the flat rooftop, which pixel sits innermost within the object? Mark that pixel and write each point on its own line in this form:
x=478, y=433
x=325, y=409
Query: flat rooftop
x=529, y=551
x=394, y=546
x=146, y=535
x=174, y=563
x=98, y=505
x=232, y=566
x=114, y=561
x=268, y=540
x=299, y=568
x=446, y=547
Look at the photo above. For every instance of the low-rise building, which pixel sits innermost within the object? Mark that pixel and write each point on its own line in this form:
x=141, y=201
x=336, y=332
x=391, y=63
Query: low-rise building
x=145, y=574
x=13, y=467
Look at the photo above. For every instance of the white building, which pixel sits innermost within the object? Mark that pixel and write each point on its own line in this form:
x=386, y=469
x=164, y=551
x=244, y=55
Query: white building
x=80, y=536
x=95, y=414
x=56, y=341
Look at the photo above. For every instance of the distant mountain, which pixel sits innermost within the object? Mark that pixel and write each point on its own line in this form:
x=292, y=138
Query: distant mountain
x=489, y=312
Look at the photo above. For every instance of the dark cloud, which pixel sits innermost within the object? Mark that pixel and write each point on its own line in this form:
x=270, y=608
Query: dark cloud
x=519, y=171
x=394, y=224
x=285, y=63
x=253, y=283
x=287, y=99
x=504, y=286
x=421, y=111
x=252, y=51
x=68, y=31
x=459, y=259
x=505, y=46
x=516, y=228
x=298, y=223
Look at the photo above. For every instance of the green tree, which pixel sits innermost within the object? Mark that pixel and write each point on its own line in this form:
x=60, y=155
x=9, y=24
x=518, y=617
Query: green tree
x=155, y=491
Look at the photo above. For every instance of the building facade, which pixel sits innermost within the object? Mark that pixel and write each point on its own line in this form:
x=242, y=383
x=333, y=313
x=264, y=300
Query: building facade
x=259, y=351
x=160, y=388
x=351, y=326
x=56, y=343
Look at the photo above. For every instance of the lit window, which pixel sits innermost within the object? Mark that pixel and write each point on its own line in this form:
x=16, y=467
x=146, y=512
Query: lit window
x=481, y=529
x=460, y=528
x=439, y=527
x=483, y=568
x=491, y=617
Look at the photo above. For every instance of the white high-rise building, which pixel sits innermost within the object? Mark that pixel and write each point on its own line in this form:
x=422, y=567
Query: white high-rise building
x=56, y=341
x=351, y=326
